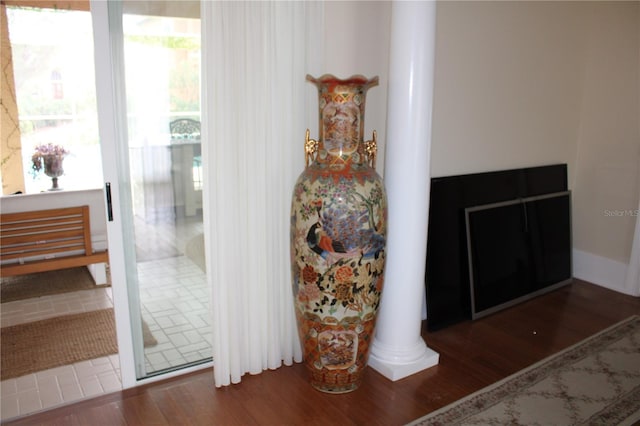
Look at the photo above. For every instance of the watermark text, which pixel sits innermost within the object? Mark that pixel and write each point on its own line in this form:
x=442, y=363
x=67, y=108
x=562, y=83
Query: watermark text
x=621, y=213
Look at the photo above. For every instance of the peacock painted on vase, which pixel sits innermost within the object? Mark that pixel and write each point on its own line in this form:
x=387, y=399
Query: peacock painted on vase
x=341, y=232
x=341, y=260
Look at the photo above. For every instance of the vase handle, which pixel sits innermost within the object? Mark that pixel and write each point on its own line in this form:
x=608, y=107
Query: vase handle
x=371, y=150
x=310, y=148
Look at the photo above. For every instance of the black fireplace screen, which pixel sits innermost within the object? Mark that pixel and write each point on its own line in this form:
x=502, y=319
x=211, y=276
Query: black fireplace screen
x=517, y=249
x=520, y=241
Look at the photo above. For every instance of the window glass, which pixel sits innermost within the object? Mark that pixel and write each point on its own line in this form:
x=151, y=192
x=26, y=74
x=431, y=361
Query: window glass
x=55, y=91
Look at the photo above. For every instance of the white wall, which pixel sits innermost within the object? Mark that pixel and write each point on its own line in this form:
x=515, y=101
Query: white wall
x=531, y=83
x=507, y=89
x=356, y=41
x=606, y=180
x=94, y=198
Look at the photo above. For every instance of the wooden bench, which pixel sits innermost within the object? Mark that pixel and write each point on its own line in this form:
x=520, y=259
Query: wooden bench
x=46, y=240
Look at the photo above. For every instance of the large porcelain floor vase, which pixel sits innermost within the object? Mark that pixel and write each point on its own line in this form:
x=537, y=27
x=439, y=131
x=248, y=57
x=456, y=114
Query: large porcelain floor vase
x=338, y=234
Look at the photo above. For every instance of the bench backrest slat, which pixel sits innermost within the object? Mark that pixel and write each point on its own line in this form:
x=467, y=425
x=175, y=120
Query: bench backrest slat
x=38, y=237
x=45, y=232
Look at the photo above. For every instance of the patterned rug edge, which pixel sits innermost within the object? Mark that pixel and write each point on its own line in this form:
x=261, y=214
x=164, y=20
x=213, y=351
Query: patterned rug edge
x=624, y=411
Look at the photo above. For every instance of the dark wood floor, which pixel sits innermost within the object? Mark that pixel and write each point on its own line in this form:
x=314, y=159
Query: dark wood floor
x=472, y=355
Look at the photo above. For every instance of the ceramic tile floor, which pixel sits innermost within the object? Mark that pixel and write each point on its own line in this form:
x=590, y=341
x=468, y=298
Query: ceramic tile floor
x=57, y=386
x=175, y=304
x=29, y=310
x=61, y=385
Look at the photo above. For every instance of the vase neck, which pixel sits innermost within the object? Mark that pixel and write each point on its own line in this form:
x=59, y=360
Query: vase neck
x=341, y=113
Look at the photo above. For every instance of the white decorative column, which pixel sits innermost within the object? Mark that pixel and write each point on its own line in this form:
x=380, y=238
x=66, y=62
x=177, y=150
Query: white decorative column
x=398, y=349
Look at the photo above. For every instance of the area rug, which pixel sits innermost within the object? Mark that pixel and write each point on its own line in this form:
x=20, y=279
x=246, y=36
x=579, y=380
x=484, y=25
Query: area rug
x=595, y=382
x=47, y=283
x=40, y=345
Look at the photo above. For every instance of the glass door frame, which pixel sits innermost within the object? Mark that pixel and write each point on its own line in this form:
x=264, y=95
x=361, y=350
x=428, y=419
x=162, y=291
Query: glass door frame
x=112, y=127
x=112, y=121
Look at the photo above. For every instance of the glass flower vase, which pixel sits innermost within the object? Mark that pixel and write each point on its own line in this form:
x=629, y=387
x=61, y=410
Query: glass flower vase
x=53, y=169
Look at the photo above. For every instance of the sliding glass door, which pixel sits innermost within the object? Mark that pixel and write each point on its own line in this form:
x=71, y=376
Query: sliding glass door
x=156, y=190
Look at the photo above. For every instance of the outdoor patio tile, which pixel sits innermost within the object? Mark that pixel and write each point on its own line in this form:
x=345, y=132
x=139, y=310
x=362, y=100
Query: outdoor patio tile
x=29, y=401
x=91, y=386
x=25, y=383
x=9, y=406
x=8, y=387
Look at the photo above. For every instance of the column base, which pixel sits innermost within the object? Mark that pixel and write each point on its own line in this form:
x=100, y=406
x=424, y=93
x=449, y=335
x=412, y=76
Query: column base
x=397, y=364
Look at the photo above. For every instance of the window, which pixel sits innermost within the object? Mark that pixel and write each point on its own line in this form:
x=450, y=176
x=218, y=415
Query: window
x=53, y=63
x=53, y=66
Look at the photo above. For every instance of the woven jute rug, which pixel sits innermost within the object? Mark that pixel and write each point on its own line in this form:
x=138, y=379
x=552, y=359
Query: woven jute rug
x=595, y=382
x=47, y=283
x=39, y=345
x=36, y=346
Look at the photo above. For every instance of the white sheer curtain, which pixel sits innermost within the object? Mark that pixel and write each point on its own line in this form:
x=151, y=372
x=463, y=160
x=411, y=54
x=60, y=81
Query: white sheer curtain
x=632, y=285
x=255, y=107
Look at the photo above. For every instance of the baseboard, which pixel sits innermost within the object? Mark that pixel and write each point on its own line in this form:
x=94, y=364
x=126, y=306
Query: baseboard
x=600, y=270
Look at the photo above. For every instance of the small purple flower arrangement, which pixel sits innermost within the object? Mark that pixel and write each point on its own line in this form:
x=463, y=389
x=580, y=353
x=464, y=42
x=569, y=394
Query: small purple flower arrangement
x=48, y=150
